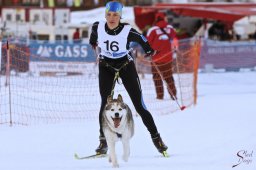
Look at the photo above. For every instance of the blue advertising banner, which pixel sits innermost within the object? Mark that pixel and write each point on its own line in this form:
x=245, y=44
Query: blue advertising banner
x=228, y=55
x=70, y=52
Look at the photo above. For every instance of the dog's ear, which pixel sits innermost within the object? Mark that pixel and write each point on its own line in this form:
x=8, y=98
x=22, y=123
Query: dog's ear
x=108, y=107
x=119, y=98
x=123, y=106
x=109, y=99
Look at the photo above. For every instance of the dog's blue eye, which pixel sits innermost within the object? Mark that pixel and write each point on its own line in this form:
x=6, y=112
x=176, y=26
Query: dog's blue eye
x=120, y=109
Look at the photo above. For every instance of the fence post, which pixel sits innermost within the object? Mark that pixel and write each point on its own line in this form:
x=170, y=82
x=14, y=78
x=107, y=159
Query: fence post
x=7, y=83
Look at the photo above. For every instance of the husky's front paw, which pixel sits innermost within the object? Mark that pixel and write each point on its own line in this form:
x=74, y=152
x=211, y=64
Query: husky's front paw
x=125, y=157
x=115, y=165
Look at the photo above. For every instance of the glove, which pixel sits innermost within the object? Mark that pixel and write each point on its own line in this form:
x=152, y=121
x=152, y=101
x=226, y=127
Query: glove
x=151, y=54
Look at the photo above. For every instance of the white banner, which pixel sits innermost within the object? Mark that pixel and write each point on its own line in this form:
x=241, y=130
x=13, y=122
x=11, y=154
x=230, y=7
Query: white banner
x=61, y=67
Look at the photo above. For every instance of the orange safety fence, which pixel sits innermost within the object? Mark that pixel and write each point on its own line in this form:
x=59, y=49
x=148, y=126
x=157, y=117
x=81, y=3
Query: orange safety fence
x=48, y=95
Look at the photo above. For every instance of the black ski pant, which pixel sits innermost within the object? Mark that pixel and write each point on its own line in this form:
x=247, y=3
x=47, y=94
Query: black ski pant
x=131, y=82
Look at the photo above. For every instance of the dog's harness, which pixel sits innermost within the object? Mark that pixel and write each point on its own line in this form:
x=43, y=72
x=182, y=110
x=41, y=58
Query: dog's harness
x=117, y=70
x=119, y=135
x=116, y=75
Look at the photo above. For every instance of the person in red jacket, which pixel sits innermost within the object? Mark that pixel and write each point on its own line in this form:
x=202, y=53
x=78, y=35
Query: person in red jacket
x=76, y=36
x=160, y=37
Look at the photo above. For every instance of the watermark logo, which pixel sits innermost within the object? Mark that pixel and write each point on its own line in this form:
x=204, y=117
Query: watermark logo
x=244, y=157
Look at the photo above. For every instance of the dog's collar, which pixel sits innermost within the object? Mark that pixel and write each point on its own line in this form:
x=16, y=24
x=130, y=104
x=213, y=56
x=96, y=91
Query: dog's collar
x=119, y=135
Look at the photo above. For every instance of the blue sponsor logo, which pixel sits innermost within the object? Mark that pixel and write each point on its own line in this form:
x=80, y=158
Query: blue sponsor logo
x=62, y=52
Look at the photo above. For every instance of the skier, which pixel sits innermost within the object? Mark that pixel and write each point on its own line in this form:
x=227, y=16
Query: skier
x=113, y=38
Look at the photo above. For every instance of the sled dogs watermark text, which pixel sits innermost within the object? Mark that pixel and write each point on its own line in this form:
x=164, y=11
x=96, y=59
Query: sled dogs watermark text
x=244, y=157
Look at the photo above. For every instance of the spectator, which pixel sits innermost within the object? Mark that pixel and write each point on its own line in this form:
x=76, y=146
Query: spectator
x=76, y=35
x=159, y=37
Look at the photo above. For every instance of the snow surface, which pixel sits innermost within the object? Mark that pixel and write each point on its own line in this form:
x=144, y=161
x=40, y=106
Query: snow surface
x=207, y=136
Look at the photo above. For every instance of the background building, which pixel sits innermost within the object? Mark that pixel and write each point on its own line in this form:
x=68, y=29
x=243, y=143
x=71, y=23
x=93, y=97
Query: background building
x=72, y=4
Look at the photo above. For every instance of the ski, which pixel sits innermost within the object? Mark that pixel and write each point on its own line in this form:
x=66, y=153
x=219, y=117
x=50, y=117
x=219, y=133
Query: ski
x=97, y=155
x=165, y=154
x=90, y=156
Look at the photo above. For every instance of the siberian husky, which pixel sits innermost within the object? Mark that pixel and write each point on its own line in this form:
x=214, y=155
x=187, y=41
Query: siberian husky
x=118, y=124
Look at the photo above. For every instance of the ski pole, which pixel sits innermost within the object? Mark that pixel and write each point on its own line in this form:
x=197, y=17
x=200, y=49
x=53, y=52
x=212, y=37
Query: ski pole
x=178, y=71
x=175, y=99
